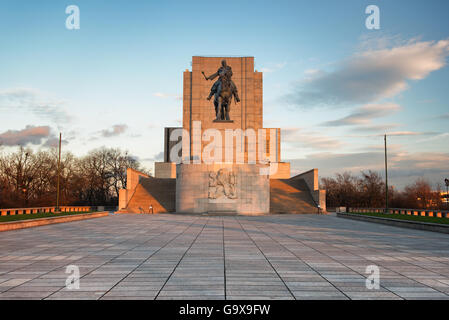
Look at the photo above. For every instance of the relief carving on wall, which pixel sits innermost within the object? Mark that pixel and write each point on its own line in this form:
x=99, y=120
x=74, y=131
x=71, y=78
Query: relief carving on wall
x=222, y=184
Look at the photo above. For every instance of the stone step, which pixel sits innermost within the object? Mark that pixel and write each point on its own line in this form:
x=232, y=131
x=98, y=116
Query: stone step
x=159, y=192
x=286, y=196
x=290, y=196
x=220, y=213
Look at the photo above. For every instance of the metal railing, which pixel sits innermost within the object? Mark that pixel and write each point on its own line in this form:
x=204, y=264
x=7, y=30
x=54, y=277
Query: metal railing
x=410, y=212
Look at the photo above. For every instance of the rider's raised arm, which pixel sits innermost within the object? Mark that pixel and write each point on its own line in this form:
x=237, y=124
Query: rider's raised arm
x=212, y=76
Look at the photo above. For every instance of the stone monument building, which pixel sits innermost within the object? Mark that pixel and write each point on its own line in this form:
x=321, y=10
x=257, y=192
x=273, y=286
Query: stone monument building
x=222, y=165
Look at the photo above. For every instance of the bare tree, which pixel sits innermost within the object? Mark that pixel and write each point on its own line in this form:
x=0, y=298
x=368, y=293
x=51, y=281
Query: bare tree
x=29, y=179
x=368, y=191
x=371, y=190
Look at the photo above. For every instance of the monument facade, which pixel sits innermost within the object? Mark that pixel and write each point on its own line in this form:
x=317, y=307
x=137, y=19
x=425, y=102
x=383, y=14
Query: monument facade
x=222, y=160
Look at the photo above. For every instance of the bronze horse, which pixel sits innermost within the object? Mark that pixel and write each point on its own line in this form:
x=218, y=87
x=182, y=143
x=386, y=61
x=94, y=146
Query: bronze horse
x=223, y=99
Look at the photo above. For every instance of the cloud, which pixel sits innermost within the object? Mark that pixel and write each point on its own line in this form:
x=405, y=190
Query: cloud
x=364, y=114
x=421, y=160
x=444, y=135
x=375, y=128
x=312, y=72
x=407, y=133
x=156, y=158
x=53, y=142
x=29, y=135
x=309, y=140
x=167, y=95
x=273, y=68
x=34, y=101
x=371, y=75
x=332, y=163
x=287, y=133
x=116, y=130
x=394, y=133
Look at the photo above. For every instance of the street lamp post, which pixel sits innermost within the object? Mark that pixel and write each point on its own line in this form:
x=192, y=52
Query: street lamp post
x=386, y=175
x=59, y=169
x=446, y=181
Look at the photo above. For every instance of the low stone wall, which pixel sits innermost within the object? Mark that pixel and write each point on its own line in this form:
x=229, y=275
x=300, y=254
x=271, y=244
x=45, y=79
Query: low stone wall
x=279, y=170
x=29, y=223
x=411, y=212
x=311, y=179
x=15, y=211
x=426, y=226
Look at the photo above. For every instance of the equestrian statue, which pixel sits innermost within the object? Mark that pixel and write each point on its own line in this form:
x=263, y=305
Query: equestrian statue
x=223, y=89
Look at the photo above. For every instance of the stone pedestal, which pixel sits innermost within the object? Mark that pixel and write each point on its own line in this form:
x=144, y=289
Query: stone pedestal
x=222, y=188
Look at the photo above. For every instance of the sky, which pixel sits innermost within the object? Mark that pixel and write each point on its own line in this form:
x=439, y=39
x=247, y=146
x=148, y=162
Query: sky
x=332, y=85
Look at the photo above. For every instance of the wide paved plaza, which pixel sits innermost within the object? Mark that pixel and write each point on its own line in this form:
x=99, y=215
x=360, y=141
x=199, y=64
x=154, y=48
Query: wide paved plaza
x=233, y=257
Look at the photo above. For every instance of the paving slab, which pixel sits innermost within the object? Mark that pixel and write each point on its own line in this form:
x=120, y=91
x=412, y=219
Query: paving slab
x=175, y=256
